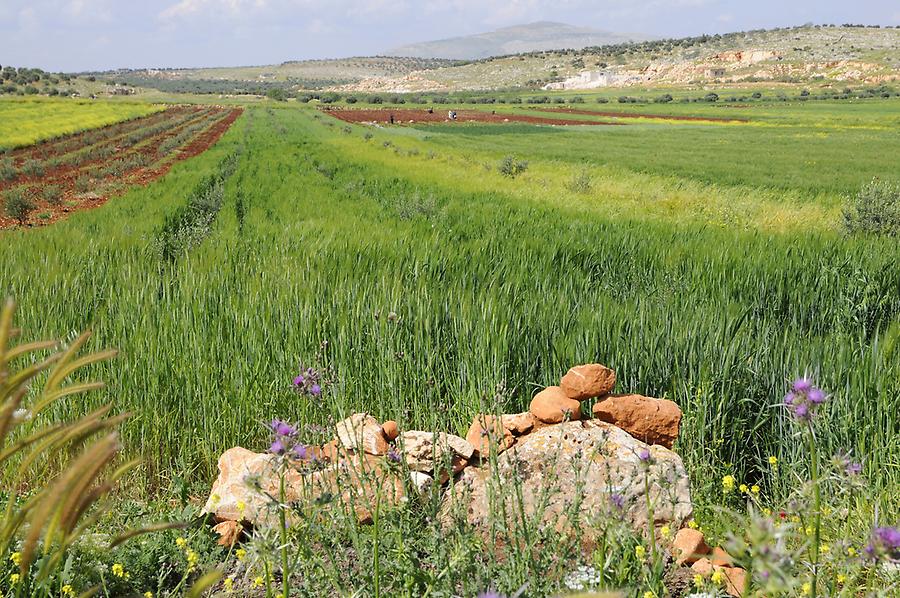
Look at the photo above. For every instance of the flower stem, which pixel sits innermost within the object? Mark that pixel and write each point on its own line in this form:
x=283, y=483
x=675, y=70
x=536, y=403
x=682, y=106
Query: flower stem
x=817, y=506
x=285, y=572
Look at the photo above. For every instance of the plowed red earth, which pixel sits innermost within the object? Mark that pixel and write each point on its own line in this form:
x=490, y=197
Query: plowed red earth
x=412, y=116
x=637, y=115
x=202, y=141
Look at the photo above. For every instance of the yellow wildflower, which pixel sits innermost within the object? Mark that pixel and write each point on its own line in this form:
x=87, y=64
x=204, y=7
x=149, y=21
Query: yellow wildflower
x=809, y=530
x=639, y=551
x=825, y=549
x=241, y=506
x=795, y=518
x=649, y=594
x=14, y=578
x=118, y=570
x=767, y=512
x=851, y=551
x=240, y=553
x=180, y=542
x=841, y=579
x=228, y=584
x=806, y=590
x=698, y=581
x=743, y=488
x=773, y=461
x=728, y=483
x=718, y=577
x=692, y=524
x=754, y=489
x=192, y=558
x=67, y=590
x=666, y=532
x=258, y=582
x=16, y=558
x=148, y=594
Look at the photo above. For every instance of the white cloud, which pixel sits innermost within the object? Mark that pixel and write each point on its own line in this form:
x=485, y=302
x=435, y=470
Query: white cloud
x=185, y=8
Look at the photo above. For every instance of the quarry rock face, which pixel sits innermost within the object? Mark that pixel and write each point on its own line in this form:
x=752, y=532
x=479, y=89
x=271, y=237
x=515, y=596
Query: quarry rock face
x=553, y=406
x=591, y=464
x=654, y=421
x=588, y=381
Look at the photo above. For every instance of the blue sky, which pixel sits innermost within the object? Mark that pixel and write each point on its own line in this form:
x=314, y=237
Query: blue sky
x=76, y=35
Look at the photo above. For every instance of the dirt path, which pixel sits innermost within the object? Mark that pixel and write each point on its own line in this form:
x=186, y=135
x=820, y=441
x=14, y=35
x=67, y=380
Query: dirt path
x=404, y=116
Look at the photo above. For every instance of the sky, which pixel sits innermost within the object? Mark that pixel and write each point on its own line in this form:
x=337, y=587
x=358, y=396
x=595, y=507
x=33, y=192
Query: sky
x=80, y=35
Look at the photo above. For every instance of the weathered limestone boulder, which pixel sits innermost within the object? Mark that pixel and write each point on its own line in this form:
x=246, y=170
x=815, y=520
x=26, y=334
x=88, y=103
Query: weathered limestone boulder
x=362, y=432
x=588, y=381
x=589, y=465
x=689, y=546
x=430, y=451
x=654, y=421
x=552, y=406
x=518, y=423
x=248, y=486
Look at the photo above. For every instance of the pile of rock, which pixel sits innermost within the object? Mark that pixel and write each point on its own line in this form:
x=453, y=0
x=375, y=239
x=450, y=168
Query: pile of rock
x=614, y=459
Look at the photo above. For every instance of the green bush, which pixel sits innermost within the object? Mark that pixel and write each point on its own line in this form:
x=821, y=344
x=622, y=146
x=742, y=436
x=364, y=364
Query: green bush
x=33, y=168
x=52, y=195
x=511, y=167
x=7, y=169
x=17, y=205
x=874, y=209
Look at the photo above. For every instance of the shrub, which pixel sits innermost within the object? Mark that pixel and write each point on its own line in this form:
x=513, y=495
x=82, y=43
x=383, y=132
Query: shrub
x=52, y=195
x=580, y=182
x=33, y=168
x=83, y=183
x=7, y=169
x=511, y=167
x=875, y=209
x=17, y=205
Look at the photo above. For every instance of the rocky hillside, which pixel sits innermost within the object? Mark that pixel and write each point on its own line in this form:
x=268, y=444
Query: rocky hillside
x=824, y=54
x=543, y=35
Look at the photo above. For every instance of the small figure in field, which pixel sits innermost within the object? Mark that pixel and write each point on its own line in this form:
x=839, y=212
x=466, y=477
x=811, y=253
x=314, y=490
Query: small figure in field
x=452, y=115
x=431, y=111
x=392, y=119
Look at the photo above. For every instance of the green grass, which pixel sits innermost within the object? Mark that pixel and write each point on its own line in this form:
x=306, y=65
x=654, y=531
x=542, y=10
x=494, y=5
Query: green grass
x=493, y=280
x=23, y=122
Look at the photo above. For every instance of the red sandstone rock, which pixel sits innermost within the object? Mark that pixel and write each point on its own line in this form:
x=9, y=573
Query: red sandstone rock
x=689, y=546
x=229, y=532
x=391, y=429
x=588, y=381
x=552, y=406
x=654, y=421
x=487, y=430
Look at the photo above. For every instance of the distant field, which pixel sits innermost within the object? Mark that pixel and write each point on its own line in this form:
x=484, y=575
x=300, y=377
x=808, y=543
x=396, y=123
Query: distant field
x=23, y=122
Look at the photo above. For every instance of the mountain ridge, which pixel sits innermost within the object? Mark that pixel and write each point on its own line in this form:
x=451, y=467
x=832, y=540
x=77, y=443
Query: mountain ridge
x=528, y=37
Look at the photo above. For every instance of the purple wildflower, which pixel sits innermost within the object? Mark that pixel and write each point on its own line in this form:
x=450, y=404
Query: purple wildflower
x=885, y=542
x=393, y=455
x=644, y=455
x=804, y=399
x=300, y=451
x=853, y=468
x=802, y=385
x=281, y=428
x=617, y=500
x=315, y=390
x=277, y=447
x=299, y=380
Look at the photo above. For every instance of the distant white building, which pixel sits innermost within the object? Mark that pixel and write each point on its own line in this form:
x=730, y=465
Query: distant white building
x=585, y=80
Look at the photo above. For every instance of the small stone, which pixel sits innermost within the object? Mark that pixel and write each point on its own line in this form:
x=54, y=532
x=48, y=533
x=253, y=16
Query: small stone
x=229, y=533
x=588, y=381
x=391, y=430
x=421, y=481
x=362, y=432
x=735, y=581
x=519, y=423
x=552, y=406
x=720, y=558
x=703, y=567
x=364, y=516
x=688, y=546
x=654, y=421
x=422, y=449
x=487, y=430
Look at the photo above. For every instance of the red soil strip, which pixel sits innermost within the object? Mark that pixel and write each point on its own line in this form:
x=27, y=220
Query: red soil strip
x=205, y=139
x=413, y=116
x=639, y=115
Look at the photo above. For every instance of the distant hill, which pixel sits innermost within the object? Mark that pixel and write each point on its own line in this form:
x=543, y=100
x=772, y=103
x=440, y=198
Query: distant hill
x=543, y=35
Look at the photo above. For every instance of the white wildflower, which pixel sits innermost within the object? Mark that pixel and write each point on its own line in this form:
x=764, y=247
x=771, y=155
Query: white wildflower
x=582, y=578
